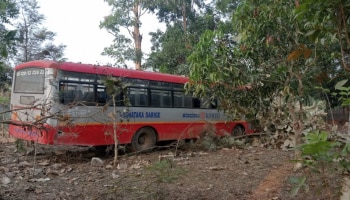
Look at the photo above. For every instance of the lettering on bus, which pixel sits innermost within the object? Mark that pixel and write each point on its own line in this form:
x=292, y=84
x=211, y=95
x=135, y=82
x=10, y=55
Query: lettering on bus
x=202, y=115
x=30, y=72
x=30, y=133
x=141, y=115
x=190, y=115
x=212, y=115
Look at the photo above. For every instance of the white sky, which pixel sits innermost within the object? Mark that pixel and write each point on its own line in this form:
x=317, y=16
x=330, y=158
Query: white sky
x=76, y=23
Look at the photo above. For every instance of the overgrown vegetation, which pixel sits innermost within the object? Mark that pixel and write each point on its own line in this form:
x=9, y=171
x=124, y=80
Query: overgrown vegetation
x=326, y=152
x=149, y=181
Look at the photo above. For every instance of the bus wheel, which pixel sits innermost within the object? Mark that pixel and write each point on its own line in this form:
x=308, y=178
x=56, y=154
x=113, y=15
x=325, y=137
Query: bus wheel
x=238, y=131
x=143, y=140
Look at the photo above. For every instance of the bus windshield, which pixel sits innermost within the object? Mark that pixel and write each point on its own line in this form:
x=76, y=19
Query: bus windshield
x=30, y=80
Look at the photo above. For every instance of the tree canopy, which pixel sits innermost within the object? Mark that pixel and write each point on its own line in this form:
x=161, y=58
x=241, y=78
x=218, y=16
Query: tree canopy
x=125, y=16
x=35, y=41
x=8, y=11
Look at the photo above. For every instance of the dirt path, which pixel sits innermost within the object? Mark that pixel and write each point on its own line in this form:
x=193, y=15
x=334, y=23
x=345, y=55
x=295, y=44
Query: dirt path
x=270, y=186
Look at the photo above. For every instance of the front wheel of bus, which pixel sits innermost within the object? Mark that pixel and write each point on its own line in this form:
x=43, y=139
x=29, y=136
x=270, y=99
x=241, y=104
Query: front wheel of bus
x=143, y=140
x=237, y=131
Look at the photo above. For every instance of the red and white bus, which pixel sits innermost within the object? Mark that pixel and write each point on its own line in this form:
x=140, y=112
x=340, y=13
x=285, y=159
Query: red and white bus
x=67, y=103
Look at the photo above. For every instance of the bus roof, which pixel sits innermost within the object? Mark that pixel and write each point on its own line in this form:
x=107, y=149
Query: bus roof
x=104, y=70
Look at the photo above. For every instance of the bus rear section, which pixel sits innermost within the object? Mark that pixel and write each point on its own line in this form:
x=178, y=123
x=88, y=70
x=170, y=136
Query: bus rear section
x=31, y=103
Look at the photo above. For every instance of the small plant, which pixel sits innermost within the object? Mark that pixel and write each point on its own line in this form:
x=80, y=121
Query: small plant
x=318, y=154
x=318, y=150
x=165, y=171
x=4, y=100
x=299, y=183
x=148, y=182
x=20, y=145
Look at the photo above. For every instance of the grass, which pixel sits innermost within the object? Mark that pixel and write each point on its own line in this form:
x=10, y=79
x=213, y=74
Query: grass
x=4, y=100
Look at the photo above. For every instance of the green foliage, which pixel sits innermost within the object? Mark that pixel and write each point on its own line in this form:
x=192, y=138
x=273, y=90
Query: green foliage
x=6, y=73
x=344, y=160
x=185, y=24
x=170, y=55
x=326, y=22
x=165, y=171
x=8, y=11
x=174, y=10
x=149, y=182
x=318, y=147
x=4, y=100
x=35, y=42
x=114, y=85
x=20, y=147
x=117, y=89
x=265, y=57
x=343, y=93
x=318, y=154
x=125, y=17
x=298, y=184
x=210, y=141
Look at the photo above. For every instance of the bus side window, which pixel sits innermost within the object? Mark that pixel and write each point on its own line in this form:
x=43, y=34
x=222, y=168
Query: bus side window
x=138, y=96
x=155, y=98
x=181, y=100
x=196, y=103
x=101, y=97
x=89, y=97
x=207, y=103
x=68, y=96
x=131, y=98
x=78, y=95
x=214, y=103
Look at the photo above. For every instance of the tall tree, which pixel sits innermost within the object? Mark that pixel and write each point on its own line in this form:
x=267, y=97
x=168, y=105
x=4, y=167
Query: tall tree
x=6, y=73
x=173, y=11
x=8, y=11
x=186, y=20
x=35, y=40
x=328, y=23
x=125, y=19
x=271, y=60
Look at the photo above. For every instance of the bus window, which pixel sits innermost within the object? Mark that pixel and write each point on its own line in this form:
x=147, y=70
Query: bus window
x=76, y=93
x=101, y=96
x=196, y=103
x=136, y=82
x=188, y=101
x=181, y=100
x=138, y=96
x=178, y=86
x=82, y=77
x=160, y=85
x=161, y=98
x=30, y=80
x=205, y=103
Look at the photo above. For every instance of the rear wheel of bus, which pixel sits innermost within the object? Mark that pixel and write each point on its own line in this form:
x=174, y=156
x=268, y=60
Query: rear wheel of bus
x=238, y=131
x=143, y=140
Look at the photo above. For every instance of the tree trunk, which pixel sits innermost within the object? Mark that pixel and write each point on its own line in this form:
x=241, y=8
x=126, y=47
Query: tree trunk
x=137, y=36
x=115, y=136
x=184, y=22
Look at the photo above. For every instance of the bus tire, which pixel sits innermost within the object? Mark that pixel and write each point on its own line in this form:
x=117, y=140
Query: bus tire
x=238, y=130
x=143, y=140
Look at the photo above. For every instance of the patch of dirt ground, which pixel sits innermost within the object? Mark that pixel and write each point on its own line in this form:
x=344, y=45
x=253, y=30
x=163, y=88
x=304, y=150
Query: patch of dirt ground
x=65, y=172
